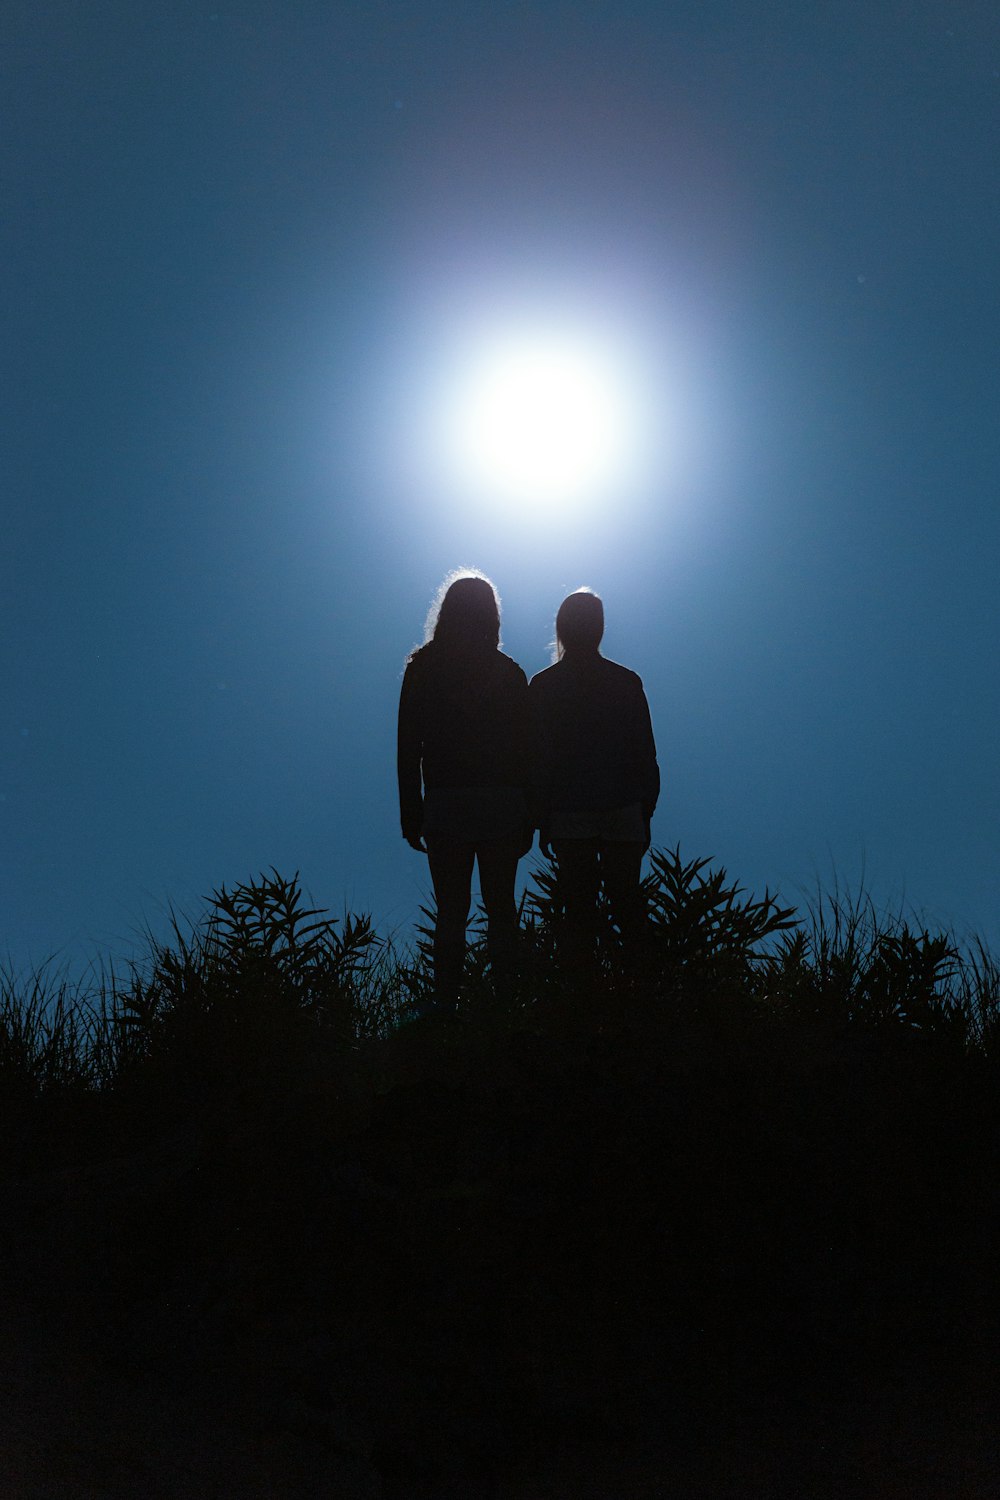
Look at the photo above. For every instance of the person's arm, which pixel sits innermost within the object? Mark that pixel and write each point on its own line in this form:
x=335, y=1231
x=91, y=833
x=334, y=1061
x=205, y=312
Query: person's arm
x=541, y=765
x=649, y=768
x=520, y=710
x=408, y=750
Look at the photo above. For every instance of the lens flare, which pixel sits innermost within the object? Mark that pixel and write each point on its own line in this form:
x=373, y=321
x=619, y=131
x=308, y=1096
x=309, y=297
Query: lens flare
x=541, y=420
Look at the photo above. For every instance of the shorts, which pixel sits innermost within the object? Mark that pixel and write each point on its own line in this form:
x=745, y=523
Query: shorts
x=475, y=814
x=616, y=825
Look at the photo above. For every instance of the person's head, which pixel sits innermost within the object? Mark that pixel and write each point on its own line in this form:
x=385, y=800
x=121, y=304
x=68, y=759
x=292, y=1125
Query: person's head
x=579, y=624
x=465, y=611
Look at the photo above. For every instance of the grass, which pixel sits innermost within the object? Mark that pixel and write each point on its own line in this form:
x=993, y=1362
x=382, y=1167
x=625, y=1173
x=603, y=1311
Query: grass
x=746, y=1171
x=260, y=969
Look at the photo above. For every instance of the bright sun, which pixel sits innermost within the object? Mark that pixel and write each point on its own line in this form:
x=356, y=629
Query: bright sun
x=541, y=420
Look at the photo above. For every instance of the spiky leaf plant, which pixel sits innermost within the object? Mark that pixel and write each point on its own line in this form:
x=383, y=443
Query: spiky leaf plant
x=705, y=928
x=259, y=974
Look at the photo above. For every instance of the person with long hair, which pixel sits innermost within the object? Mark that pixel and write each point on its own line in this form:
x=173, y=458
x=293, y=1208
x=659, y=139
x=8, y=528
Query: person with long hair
x=596, y=778
x=464, y=768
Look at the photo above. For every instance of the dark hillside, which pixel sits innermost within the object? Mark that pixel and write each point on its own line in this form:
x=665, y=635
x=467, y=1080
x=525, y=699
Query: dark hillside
x=716, y=1225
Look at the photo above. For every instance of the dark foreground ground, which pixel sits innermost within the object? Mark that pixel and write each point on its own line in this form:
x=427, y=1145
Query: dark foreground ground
x=613, y=1263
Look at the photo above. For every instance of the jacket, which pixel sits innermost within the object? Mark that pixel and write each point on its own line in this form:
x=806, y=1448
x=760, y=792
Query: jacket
x=593, y=745
x=463, y=722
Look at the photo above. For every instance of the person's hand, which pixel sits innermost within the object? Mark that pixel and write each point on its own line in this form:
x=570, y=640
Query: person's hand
x=412, y=835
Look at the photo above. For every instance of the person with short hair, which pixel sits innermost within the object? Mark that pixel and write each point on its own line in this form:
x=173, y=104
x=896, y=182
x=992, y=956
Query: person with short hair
x=463, y=769
x=596, y=780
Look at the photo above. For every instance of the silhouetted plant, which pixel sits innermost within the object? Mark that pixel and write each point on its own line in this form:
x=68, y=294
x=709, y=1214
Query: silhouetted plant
x=825, y=972
x=46, y=1035
x=264, y=981
x=705, y=926
x=544, y=912
x=855, y=965
x=260, y=935
x=698, y=924
x=477, y=988
x=907, y=979
x=233, y=993
x=424, y=930
x=978, y=989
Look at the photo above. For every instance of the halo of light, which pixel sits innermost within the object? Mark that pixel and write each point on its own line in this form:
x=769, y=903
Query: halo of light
x=542, y=419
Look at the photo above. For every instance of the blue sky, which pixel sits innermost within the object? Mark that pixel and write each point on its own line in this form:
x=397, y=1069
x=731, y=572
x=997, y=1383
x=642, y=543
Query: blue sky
x=235, y=240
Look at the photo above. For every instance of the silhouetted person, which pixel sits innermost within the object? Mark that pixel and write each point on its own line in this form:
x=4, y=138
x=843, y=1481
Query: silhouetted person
x=463, y=762
x=595, y=778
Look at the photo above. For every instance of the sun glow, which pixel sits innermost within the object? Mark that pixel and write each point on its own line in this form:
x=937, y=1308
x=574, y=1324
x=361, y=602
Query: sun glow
x=541, y=419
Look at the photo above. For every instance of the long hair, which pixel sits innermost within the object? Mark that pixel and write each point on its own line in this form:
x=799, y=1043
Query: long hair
x=464, y=613
x=579, y=623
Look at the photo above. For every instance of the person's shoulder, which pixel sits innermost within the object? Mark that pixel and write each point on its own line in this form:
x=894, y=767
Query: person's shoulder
x=623, y=675
x=546, y=678
x=510, y=668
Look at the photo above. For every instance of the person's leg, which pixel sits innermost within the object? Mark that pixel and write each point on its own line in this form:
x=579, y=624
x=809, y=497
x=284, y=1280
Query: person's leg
x=579, y=880
x=451, y=863
x=497, y=871
x=621, y=872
